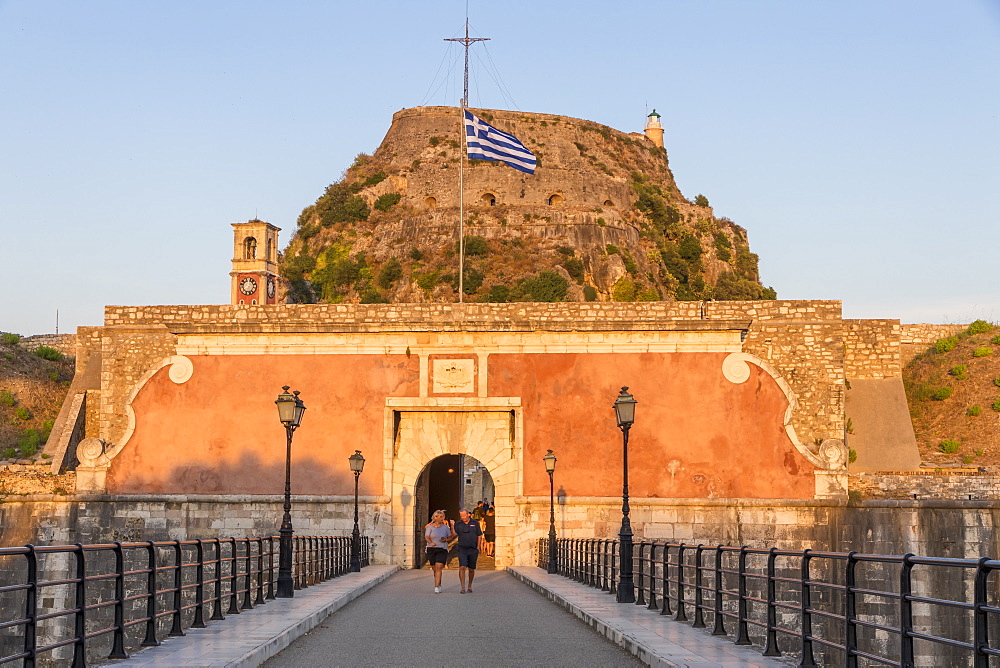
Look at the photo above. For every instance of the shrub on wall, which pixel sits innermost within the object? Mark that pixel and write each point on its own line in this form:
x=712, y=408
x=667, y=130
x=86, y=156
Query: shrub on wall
x=387, y=201
x=979, y=327
x=9, y=338
x=946, y=344
x=7, y=398
x=391, y=272
x=54, y=355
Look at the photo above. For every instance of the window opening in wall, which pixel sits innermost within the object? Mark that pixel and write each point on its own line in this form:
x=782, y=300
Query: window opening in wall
x=242, y=302
x=253, y=302
x=608, y=202
x=250, y=248
x=489, y=199
x=268, y=256
x=430, y=203
x=555, y=200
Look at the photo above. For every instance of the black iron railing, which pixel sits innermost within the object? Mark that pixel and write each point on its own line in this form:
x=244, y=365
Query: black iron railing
x=123, y=595
x=828, y=608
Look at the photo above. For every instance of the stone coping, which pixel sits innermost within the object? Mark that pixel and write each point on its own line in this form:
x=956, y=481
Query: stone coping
x=669, y=502
x=199, y=498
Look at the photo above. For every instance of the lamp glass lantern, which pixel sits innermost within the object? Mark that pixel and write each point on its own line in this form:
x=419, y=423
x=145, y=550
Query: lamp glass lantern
x=357, y=462
x=550, y=461
x=300, y=409
x=287, y=405
x=625, y=408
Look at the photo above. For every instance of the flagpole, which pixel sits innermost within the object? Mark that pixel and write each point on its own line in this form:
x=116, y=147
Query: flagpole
x=466, y=41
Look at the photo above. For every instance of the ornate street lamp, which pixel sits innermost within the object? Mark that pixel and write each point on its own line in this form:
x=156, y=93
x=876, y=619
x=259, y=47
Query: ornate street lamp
x=290, y=410
x=550, y=467
x=625, y=413
x=357, y=466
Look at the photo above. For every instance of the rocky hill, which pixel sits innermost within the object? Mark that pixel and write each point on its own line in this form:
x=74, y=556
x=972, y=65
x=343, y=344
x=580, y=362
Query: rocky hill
x=953, y=391
x=601, y=219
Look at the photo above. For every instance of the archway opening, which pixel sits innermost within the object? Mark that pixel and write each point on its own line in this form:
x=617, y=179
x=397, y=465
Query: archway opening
x=430, y=203
x=449, y=483
x=555, y=200
x=489, y=199
x=608, y=202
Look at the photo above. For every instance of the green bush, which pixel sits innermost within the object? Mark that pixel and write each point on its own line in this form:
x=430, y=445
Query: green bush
x=429, y=280
x=373, y=296
x=611, y=249
x=958, y=371
x=28, y=442
x=701, y=200
x=375, y=179
x=416, y=254
x=995, y=340
x=949, y=446
x=624, y=290
x=387, y=201
x=973, y=411
x=7, y=398
x=967, y=459
x=852, y=455
x=476, y=245
x=47, y=353
x=979, y=327
x=996, y=405
x=10, y=339
x=473, y=278
x=390, y=272
x=941, y=393
x=982, y=351
x=574, y=266
x=498, y=294
x=10, y=453
x=946, y=344
x=590, y=293
x=979, y=452
x=547, y=286
x=22, y=413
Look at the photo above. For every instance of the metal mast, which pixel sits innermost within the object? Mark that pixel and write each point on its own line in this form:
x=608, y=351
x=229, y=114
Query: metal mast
x=466, y=41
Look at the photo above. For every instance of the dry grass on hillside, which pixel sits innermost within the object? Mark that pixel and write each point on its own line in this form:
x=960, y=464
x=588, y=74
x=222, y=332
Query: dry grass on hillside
x=954, y=398
x=32, y=390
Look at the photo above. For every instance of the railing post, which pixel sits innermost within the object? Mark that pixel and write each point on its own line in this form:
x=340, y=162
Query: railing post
x=850, y=612
x=653, y=605
x=80, y=618
x=217, y=601
x=905, y=612
x=742, y=633
x=665, y=608
x=719, y=628
x=270, y=568
x=699, y=600
x=807, y=661
x=640, y=576
x=248, y=594
x=771, y=647
x=175, y=627
x=681, y=612
x=118, y=639
x=614, y=545
x=150, y=639
x=260, y=572
x=980, y=629
x=199, y=590
x=234, y=608
x=31, y=607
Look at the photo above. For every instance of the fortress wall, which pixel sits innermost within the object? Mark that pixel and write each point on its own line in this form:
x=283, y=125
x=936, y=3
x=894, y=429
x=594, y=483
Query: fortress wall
x=871, y=349
x=804, y=340
x=915, y=339
x=64, y=343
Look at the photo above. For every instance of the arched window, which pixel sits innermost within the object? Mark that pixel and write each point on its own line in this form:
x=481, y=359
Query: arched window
x=489, y=199
x=250, y=248
x=431, y=203
x=608, y=202
x=555, y=200
x=270, y=250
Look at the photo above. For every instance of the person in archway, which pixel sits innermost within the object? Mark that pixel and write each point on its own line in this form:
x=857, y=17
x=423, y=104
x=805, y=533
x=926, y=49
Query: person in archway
x=468, y=532
x=438, y=533
x=490, y=534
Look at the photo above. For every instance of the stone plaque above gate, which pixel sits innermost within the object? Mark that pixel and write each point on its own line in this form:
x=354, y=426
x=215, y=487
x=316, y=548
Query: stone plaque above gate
x=453, y=375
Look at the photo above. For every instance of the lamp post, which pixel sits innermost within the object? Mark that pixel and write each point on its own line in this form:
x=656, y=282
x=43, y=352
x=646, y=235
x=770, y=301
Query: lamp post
x=290, y=410
x=625, y=414
x=550, y=467
x=357, y=466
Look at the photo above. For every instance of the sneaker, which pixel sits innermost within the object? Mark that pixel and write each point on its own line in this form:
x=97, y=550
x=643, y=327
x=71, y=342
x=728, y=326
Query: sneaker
x=437, y=590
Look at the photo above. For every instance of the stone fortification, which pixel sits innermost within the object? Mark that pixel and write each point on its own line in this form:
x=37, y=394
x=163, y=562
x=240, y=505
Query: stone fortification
x=602, y=211
x=64, y=343
x=915, y=339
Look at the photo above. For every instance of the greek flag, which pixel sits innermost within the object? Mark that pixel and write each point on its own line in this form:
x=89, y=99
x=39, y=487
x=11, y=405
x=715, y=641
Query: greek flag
x=485, y=142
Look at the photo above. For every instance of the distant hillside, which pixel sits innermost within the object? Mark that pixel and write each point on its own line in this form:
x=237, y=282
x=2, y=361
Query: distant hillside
x=953, y=391
x=32, y=389
x=600, y=220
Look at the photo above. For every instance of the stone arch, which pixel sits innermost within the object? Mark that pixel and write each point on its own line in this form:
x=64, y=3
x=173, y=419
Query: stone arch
x=421, y=434
x=608, y=203
x=430, y=202
x=555, y=199
x=489, y=199
x=250, y=248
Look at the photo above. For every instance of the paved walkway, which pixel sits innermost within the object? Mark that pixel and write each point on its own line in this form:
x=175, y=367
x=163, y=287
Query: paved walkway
x=403, y=623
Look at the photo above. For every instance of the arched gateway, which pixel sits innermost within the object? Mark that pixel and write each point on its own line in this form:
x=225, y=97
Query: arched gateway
x=486, y=430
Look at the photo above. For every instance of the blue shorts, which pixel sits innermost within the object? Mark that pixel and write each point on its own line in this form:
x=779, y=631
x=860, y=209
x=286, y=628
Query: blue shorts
x=467, y=557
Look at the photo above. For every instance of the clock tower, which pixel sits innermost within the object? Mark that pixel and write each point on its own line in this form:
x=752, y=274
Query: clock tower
x=255, y=263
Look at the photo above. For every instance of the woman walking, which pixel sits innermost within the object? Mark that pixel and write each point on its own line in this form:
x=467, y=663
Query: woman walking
x=437, y=533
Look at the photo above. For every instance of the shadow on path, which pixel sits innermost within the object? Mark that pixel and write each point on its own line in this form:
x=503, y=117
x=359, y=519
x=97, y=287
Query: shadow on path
x=402, y=622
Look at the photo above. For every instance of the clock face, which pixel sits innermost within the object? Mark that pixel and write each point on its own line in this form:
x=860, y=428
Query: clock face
x=270, y=287
x=248, y=286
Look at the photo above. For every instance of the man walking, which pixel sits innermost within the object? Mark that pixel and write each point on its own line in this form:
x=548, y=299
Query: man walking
x=468, y=532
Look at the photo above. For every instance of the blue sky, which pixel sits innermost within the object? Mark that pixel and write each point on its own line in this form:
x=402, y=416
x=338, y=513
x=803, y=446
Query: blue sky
x=857, y=140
